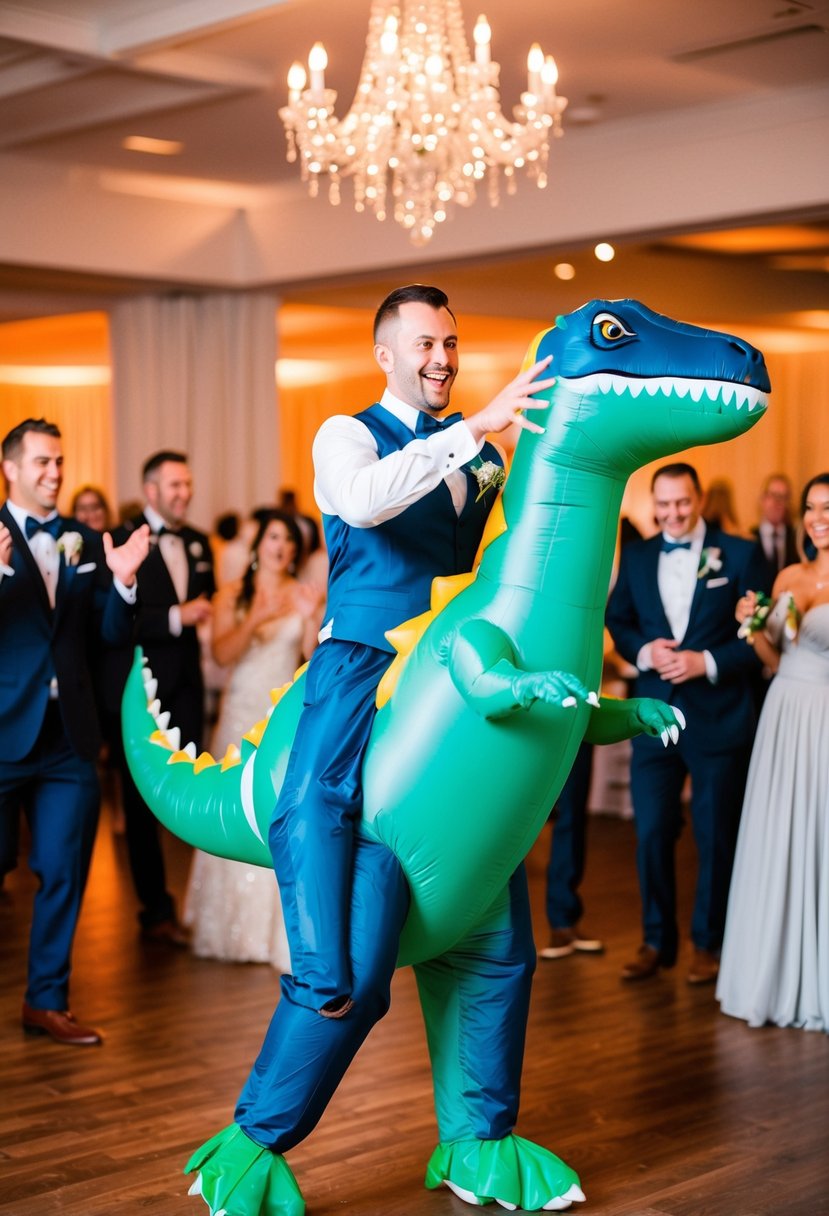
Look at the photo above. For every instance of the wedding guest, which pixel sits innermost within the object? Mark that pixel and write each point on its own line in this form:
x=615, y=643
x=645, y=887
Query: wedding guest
x=175, y=584
x=64, y=592
x=774, y=531
x=264, y=626
x=775, y=958
x=718, y=508
x=90, y=506
x=671, y=613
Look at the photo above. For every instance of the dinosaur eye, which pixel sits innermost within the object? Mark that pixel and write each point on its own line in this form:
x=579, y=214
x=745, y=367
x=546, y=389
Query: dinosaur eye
x=610, y=329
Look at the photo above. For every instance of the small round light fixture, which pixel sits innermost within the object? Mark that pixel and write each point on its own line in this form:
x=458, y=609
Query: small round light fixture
x=564, y=271
x=604, y=252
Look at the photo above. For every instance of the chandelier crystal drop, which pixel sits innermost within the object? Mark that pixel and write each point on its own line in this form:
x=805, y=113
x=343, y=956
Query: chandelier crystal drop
x=425, y=128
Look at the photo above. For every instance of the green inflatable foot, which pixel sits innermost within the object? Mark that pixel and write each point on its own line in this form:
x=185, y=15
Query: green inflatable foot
x=239, y=1178
x=512, y=1172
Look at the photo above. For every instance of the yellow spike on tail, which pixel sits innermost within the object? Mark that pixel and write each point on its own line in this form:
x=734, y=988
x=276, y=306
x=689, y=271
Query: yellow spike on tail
x=254, y=735
x=204, y=761
x=161, y=739
x=181, y=757
x=231, y=757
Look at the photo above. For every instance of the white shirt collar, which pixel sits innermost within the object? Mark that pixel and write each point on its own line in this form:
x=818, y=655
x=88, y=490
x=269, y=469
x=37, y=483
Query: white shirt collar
x=153, y=518
x=20, y=515
x=403, y=412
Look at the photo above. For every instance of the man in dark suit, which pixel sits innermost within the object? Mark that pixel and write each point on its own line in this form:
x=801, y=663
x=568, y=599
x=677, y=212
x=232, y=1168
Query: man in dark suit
x=774, y=531
x=671, y=614
x=175, y=584
x=63, y=591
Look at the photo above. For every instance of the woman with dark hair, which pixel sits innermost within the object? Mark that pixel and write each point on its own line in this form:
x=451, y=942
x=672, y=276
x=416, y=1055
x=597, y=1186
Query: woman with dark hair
x=264, y=626
x=775, y=957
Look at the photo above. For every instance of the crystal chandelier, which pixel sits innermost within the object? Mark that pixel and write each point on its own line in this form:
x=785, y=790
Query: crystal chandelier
x=425, y=126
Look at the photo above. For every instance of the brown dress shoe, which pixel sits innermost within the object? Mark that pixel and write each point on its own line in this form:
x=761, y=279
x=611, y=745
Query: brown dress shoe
x=705, y=968
x=60, y=1025
x=168, y=933
x=646, y=964
x=570, y=940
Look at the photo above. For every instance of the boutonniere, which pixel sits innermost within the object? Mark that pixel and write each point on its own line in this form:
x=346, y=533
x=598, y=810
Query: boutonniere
x=489, y=476
x=709, y=562
x=70, y=544
x=196, y=548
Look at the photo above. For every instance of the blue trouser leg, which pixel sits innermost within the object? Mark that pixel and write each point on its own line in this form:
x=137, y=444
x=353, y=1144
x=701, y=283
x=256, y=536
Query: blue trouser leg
x=60, y=796
x=565, y=868
x=476, y=1000
x=656, y=779
x=304, y=1055
x=311, y=835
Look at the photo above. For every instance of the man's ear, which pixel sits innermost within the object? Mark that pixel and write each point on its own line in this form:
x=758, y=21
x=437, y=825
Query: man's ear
x=384, y=357
x=10, y=471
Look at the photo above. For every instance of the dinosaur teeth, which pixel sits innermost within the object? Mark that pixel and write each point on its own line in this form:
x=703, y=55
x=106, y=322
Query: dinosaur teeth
x=163, y=719
x=150, y=686
x=174, y=737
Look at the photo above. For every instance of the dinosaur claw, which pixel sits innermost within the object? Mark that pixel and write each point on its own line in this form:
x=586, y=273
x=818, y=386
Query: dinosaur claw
x=593, y=699
x=568, y=702
x=511, y=1207
x=680, y=717
x=663, y=735
x=673, y=731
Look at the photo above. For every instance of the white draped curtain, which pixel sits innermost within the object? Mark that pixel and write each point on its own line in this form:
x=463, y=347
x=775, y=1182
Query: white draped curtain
x=196, y=374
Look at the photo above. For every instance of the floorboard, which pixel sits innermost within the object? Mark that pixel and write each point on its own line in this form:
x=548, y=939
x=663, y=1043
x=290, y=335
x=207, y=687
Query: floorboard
x=663, y=1105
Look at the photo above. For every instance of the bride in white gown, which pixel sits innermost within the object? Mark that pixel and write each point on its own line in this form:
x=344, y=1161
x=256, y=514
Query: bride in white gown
x=264, y=627
x=775, y=957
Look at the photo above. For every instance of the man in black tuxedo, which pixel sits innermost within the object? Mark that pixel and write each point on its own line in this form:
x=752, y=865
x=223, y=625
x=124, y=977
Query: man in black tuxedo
x=64, y=590
x=175, y=584
x=774, y=531
x=671, y=613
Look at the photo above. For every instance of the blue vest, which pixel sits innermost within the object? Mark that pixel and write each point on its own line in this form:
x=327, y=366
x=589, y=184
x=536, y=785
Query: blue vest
x=381, y=576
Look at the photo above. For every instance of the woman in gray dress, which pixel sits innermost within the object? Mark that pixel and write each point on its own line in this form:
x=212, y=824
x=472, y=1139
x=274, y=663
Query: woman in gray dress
x=775, y=957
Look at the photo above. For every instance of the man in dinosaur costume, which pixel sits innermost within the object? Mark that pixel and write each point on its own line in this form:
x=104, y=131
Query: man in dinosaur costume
x=479, y=719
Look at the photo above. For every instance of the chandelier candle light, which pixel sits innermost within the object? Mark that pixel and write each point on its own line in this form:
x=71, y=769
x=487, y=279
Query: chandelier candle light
x=425, y=125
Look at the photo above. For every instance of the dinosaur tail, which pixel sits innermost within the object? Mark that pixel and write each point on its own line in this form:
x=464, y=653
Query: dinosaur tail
x=209, y=803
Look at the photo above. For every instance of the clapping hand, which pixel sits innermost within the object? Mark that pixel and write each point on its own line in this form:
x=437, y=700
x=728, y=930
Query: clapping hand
x=124, y=560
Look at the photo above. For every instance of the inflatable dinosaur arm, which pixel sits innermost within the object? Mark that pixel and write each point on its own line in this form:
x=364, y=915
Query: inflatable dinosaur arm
x=620, y=719
x=482, y=663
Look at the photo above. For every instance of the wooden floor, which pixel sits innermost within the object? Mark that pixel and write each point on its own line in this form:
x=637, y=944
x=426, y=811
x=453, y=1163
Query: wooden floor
x=662, y=1104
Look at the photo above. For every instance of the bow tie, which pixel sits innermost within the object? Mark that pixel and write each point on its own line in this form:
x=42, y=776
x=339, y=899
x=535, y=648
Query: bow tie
x=427, y=424
x=52, y=526
x=670, y=546
x=165, y=531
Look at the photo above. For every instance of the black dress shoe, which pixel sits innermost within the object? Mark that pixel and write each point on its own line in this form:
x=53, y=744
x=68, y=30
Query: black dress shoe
x=60, y=1025
x=167, y=932
x=646, y=964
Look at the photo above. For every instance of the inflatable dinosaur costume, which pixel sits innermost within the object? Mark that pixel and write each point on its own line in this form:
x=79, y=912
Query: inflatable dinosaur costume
x=479, y=719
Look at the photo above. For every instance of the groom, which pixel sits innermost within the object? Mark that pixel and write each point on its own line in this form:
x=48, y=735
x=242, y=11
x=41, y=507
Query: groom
x=63, y=592
x=671, y=613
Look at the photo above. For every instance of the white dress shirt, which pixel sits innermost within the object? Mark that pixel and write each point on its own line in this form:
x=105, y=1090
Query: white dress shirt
x=172, y=552
x=352, y=481
x=676, y=580
x=773, y=537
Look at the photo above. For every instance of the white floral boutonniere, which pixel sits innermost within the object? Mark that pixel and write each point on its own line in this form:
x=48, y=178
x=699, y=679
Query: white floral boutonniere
x=70, y=544
x=489, y=476
x=753, y=624
x=709, y=562
x=196, y=549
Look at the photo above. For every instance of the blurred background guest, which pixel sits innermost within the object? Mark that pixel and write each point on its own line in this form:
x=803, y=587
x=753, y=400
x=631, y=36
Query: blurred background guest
x=90, y=506
x=264, y=626
x=718, y=507
x=774, y=530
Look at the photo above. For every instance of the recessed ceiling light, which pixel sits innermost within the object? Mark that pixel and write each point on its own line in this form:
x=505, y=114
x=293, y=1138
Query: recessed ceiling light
x=563, y=270
x=156, y=147
x=605, y=252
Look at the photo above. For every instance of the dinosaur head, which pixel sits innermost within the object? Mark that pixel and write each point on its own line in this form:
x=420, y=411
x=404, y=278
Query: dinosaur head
x=634, y=386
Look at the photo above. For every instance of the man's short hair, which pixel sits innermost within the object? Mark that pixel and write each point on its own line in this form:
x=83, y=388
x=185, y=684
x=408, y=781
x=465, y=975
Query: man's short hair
x=415, y=293
x=155, y=462
x=678, y=469
x=13, y=442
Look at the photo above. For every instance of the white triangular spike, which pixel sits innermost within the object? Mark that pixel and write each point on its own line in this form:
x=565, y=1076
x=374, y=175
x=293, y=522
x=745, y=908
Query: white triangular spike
x=163, y=720
x=190, y=750
x=151, y=688
x=195, y=1189
x=174, y=738
x=466, y=1196
x=155, y=708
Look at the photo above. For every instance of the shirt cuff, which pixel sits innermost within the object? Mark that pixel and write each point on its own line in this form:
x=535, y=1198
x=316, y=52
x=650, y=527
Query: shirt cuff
x=174, y=621
x=710, y=667
x=128, y=594
x=643, y=660
x=453, y=448
x=5, y=570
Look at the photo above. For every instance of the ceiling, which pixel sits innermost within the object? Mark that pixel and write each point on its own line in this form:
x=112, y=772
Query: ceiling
x=77, y=77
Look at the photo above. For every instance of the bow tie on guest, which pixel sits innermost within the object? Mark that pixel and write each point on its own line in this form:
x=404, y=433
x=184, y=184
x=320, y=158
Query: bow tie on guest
x=52, y=526
x=670, y=546
x=427, y=424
